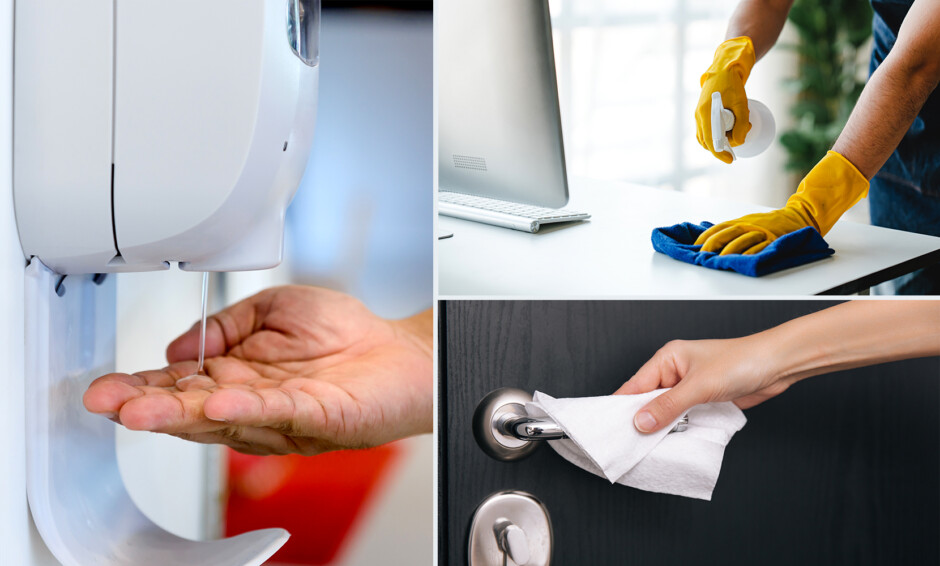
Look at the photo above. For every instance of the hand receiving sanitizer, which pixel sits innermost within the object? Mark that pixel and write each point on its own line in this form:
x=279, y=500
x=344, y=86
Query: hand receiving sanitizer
x=758, y=139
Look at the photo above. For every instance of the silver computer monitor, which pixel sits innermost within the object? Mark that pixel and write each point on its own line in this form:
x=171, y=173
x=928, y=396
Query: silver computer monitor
x=498, y=115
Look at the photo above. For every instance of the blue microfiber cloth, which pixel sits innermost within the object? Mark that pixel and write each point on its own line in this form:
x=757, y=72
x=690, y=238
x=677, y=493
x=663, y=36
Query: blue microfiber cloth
x=803, y=246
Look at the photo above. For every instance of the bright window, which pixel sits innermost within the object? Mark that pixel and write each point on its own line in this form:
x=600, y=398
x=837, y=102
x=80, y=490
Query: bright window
x=628, y=77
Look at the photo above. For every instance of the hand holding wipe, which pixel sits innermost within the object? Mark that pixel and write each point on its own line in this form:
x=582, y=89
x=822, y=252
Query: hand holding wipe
x=729, y=71
x=833, y=186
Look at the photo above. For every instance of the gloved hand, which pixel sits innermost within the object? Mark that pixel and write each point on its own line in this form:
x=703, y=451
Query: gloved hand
x=727, y=75
x=833, y=186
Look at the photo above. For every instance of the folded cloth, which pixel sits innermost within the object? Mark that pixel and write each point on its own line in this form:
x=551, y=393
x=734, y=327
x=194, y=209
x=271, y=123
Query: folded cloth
x=602, y=440
x=796, y=248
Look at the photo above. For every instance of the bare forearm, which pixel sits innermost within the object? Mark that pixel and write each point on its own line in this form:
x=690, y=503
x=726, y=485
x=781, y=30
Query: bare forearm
x=896, y=92
x=761, y=20
x=853, y=334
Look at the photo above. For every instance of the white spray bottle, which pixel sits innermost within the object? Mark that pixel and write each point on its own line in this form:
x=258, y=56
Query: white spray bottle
x=758, y=138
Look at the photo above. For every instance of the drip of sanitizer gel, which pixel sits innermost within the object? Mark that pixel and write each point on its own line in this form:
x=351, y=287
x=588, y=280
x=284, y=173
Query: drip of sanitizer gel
x=202, y=328
x=197, y=379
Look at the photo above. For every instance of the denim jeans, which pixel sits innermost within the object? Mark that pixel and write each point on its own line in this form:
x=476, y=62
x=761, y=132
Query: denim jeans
x=898, y=206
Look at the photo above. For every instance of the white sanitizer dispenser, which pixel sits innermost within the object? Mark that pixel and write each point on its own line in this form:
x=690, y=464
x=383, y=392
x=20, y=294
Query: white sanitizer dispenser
x=148, y=132
x=145, y=132
x=758, y=138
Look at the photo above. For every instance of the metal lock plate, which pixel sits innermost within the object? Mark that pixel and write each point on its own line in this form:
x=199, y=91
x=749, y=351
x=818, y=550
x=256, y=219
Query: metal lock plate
x=510, y=523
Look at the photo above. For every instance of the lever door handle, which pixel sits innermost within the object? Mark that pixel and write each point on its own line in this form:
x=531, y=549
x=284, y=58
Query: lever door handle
x=528, y=428
x=504, y=430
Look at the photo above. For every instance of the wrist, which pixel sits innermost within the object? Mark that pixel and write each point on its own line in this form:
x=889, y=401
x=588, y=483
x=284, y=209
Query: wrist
x=770, y=363
x=792, y=352
x=735, y=54
x=832, y=187
x=417, y=330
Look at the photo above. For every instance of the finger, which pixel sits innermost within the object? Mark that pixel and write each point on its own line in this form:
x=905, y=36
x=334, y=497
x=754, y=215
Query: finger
x=290, y=411
x=186, y=346
x=106, y=395
x=668, y=407
x=758, y=248
x=248, y=440
x=168, y=376
x=169, y=412
x=743, y=243
x=634, y=386
x=719, y=240
x=742, y=124
x=224, y=329
x=723, y=156
x=704, y=236
x=228, y=371
x=653, y=375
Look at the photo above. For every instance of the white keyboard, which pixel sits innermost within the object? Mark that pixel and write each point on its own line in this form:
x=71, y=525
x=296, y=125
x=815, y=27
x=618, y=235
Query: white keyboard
x=513, y=215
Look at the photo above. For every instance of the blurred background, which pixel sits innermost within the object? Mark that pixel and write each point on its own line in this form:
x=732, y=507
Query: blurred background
x=361, y=223
x=628, y=76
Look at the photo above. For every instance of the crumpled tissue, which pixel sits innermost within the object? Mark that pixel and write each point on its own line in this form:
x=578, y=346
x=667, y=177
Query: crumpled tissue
x=603, y=440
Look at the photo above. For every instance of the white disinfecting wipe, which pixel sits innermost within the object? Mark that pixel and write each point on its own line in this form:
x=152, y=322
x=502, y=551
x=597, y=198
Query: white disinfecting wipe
x=603, y=440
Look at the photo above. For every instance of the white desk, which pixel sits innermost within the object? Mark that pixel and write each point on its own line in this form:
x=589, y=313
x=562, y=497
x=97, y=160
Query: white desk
x=611, y=254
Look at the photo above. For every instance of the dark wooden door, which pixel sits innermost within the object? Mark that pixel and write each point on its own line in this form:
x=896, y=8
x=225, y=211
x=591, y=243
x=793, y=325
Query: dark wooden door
x=840, y=469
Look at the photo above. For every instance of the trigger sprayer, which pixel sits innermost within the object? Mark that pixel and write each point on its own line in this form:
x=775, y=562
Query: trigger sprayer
x=758, y=139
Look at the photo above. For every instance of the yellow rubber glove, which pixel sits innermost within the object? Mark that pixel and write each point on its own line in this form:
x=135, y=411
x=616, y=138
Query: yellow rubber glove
x=727, y=75
x=833, y=186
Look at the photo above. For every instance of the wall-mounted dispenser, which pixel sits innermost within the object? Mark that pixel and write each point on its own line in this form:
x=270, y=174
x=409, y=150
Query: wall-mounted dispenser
x=145, y=132
x=153, y=132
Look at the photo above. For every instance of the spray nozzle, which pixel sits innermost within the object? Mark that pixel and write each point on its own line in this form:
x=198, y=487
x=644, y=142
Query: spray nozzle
x=758, y=138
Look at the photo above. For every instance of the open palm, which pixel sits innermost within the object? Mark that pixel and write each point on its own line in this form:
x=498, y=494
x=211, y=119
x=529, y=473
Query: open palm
x=289, y=370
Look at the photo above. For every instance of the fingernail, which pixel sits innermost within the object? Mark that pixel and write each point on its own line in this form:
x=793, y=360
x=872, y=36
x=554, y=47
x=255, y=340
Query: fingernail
x=644, y=421
x=217, y=420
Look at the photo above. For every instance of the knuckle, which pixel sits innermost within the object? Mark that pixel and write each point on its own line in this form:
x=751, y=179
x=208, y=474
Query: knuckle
x=233, y=433
x=672, y=348
x=284, y=427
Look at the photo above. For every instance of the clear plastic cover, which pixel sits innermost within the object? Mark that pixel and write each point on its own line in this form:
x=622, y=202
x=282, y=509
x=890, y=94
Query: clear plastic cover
x=303, y=29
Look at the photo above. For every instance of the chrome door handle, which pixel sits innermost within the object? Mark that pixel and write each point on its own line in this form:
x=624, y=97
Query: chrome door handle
x=505, y=431
x=528, y=428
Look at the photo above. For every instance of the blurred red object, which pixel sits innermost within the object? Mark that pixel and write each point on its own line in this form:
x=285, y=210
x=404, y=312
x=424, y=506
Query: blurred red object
x=319, y=499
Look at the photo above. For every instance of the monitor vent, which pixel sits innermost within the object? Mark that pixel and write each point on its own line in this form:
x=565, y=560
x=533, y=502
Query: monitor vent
x=468, y=162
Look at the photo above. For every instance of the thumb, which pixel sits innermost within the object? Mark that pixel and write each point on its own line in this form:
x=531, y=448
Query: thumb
x=224, y=329
x=668, y=407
